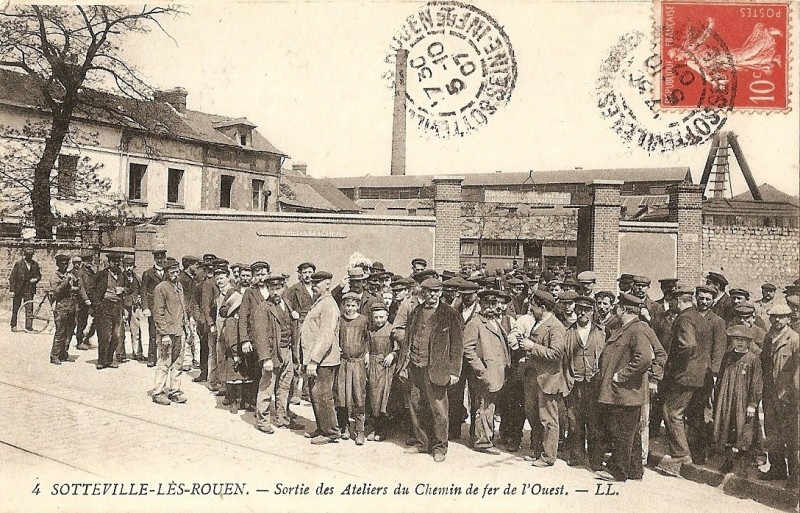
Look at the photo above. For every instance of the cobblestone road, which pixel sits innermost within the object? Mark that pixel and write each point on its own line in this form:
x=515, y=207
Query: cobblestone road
x=68, y=424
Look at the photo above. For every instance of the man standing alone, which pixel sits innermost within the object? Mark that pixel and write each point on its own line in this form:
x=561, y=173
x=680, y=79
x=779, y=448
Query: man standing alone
x=24, y=277
x=150, y=278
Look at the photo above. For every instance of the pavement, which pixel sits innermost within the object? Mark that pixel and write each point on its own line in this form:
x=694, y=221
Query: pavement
x=73, y=438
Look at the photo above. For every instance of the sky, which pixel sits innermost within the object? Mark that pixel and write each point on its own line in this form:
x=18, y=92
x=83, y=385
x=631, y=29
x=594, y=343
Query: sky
x=311, y=76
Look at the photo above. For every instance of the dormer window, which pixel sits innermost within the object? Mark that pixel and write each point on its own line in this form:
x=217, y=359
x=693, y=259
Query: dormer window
x=239, y=130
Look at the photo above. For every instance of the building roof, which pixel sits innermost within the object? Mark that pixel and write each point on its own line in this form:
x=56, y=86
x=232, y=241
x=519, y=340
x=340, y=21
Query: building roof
x=770, y=193
x=723, y=206
x=663, y=174
x=395, y=204
x=311, y=194
x=21, y=90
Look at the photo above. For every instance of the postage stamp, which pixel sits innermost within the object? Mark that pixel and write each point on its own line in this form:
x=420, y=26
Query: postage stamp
x=724, y=54
x=461, y=67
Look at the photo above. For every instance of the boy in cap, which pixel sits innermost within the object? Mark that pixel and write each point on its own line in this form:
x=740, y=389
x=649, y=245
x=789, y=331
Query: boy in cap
x=780, y=358
x=171, y=320
x=65, y=293
x=738, y=395
x=106, y=294
x=382, y=362
x=150, y=278
x=22, y=282
x=351, y=383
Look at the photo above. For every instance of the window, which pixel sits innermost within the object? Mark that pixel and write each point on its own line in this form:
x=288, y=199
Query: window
x=225, y=189
x=243, y=139
x=136, y=182
x=175, y=186
x=259, y=198
x=67, y=169
x=495, y=248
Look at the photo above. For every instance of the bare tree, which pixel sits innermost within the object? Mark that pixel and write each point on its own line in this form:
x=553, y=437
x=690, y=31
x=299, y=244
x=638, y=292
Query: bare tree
x=72, y=53
x=481, y=218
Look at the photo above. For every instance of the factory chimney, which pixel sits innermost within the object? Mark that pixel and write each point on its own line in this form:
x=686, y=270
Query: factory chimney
x=399, y=122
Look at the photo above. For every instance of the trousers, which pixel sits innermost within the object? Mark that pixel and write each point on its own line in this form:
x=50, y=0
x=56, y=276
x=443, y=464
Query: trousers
x=429, y=410
x=583, y=429
x=16, y=302
x=542, y=412
x=108, y=318
x=278, y=381
x=64, y=316
x=168, y=365
x=321, y=391
x=626, y=443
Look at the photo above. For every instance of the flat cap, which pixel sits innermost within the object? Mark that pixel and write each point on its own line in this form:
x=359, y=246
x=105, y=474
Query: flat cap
x=306, y=265
x=400, y=284
x=451, y=284
x=221, y=269
x=378, y=307
x=739, y=292
x=683, y=291
x=432, y=284
x=707, y=289
x=87, y=255
x=219, y=262
x=791, y=290
x=568, y=296
x=515, y=281
x=321, y=276
x=236, y=265
x=276, y=278
x=260, y=264
x=419, y=261
x=744, y=309
x=740, y=331
x=780, y=310
x=668, y=281
x=584, y=301
x=544, y=297
x=630, y=300
x=717, y=277
x=769, y=286
x=62, y=258
x=171, y=263
x=189, y=260
x=128, y=260
x=642, y=280
x=587, y=276
x=159, y=252
x=424, y=275
x=114, y=257
x=350, y=295
x=489, y=294
x=467, y=287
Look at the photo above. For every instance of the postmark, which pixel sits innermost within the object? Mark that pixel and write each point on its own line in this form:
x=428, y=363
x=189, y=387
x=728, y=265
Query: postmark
x=625, y=92
x=717, y=54
x=461, y=67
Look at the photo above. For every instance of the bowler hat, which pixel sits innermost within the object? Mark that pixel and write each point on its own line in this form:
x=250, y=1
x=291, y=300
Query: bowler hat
x=625, y=278
x=159, y=252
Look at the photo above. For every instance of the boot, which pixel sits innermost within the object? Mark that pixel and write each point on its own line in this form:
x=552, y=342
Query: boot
x=234, y=395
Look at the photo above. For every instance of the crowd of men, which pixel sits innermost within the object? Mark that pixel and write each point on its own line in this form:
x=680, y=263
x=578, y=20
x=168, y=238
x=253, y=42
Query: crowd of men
x=593, y=372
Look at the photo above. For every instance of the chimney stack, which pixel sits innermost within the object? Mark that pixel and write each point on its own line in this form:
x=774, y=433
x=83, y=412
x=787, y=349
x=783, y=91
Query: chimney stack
x=399, y=124
x=300, y=167
x=175, y=97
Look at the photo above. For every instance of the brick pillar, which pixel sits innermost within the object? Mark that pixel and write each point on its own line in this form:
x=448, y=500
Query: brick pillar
x=686, y=209
x=447, y=209
x=604, y=236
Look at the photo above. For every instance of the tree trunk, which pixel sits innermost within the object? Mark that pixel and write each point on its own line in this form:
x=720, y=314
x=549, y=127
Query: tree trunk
x=40, y=195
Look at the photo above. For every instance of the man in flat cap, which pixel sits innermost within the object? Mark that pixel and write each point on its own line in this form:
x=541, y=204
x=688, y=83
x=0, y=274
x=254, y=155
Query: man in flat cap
x=319, y=336
x=780, y=359
x=300, y=296
x=723, y=305
x=685, y=377
x=132, y=304
x=418, y=265
x=467, y=306
x=82, y=268
x=486, y=352
x=206, y=292
x=431, y=360
x=450, y=290
x=22, y=283
x=765, y=302
x=585, y=341
x=587, y=281
x=66, y=293
x=667, y=286
x=651, y=311
x=253, y=296
x=544, y=381
x=623, y=389
x=106, y=294
x=275, y=340
x=188, y=280
x=150, y=278
x=171, y=319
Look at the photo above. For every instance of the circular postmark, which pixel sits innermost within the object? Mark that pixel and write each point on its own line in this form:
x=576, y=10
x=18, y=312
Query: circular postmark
x=625, y=97
x=460, y=67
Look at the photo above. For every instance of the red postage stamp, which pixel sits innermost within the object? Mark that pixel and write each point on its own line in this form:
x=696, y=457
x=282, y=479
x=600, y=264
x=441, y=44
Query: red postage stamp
x=727, y=55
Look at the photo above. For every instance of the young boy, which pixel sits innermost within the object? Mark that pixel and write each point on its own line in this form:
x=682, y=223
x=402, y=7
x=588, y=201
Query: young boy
x=351, y=386
x=738, y=394
x=383, y=353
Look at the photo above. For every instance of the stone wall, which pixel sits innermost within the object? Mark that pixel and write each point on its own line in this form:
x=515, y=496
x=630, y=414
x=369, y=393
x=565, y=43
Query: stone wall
x=750, y=256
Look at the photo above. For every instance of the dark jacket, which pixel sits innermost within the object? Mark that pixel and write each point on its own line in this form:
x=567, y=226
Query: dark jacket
x=724, y=308
x=689, y=352
x=251, y=299
x=299, y=299
x=628, y=354
x=206, y=297
x=486, y=351
x=149, y=281
x=189, y=284
x=169, y=309
x=98, y=286
x=445, y=346
x=20, y=280
x=597, y=338
x=266, y=332
x=546, y=359
x=717, y=340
